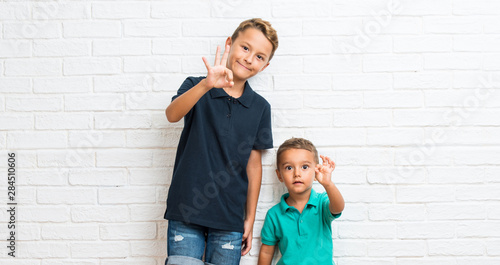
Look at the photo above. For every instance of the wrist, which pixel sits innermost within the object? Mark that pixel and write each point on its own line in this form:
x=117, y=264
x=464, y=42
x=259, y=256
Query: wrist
x=205, y=85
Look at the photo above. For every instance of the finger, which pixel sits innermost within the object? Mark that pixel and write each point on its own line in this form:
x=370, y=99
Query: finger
x=217, y=56
x=246, y=247
x=206, y=63
x=229, y=77
x=225, y=55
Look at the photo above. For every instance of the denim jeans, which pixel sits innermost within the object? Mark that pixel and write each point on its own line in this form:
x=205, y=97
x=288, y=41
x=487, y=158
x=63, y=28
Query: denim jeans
x=188, y=242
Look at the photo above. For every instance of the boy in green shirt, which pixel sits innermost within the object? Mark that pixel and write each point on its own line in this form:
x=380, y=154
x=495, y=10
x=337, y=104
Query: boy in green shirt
x=301, y=223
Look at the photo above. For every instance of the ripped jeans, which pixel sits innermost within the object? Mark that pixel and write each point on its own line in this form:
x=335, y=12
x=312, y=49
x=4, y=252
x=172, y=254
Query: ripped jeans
x=188, y=242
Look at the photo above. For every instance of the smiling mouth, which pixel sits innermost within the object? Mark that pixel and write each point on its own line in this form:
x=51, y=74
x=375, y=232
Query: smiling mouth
x=298, y=182
x=243, y=66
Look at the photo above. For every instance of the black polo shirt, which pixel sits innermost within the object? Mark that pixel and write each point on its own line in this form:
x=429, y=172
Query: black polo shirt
x=209, y=183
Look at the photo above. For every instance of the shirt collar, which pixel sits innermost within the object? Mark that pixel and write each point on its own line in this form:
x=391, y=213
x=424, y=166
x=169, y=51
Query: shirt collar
x=245, y=99
x=313, y=201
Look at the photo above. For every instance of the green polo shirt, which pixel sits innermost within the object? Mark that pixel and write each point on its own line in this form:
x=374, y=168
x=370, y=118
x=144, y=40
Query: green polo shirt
x=302, y=238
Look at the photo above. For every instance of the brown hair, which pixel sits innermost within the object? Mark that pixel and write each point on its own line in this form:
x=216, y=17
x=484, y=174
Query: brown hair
x=297, y=143
x=262, y=25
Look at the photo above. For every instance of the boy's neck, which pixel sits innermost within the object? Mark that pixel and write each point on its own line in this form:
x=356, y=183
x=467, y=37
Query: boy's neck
x=237, y=90
x=298, y=201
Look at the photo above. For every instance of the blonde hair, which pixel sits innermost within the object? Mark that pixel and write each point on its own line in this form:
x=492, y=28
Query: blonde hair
x=297, y=143
x=262, y=25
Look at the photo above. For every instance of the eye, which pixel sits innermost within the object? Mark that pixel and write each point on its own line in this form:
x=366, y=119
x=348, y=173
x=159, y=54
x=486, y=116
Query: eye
x=260, y=57
x=305, y=167
x=288, y=167
x=245, y=48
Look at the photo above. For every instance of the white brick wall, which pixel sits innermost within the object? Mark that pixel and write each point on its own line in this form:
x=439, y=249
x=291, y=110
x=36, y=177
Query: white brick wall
x=402, y=94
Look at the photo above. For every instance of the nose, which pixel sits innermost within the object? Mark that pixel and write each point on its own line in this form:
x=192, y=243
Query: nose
x=248, y=59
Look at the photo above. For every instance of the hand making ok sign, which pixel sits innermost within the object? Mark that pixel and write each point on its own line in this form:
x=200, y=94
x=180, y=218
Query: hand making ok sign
x=219, y=75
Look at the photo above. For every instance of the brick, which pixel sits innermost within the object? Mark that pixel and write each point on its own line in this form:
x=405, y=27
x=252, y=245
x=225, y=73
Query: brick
x=396, y=175
x=425, y=194
x=40, y=177
x=427, y=261
x=362, y=82
x=148, y=213
x=209, y=28
x=434, y=230
x=362, y=8
x=493, y=248
x=332, y=63
x=478, y=260
x=67, y=158
x=101, y=213
x=448, y=175
x=310, y=81
x=152, y=139
x=429, y=80
x=478, y=229
x=148, y=101
x=481, y=82
x=127, y=231
x=367, y=231
x=423, y=44
x=194, y=9
x=96, y=139
x=105, y=249
x=301, y=46
x=120, y=158
x=404, y=25
x=121, y=195
x=92, y=29
x=156, y=64
x=151, y=177
x=418, y=117
x=365, y=261
x=455, y=211
x=462, y=98
x=477, y=156
x=16, y=122
x=476, y=43
x=295, y=9
x=62, y=85
x=33, y=139
x=284, y=65
x=129, y=261
x=331, y=100
x=336, y=137
x=66, y=196
x=397, y=248
x=455, y=247
x=123, y=83
x=350, y=175
x=14, y=85
x=61, y=10
x=93, y=177
x=185, y=46
x=489, y=62
x=94, y=66
x=34, y=30
x=28, y=232
x=425, y=7
x=482, y=7
x=122, y=121
x=148, y=28
x=478, y=193
x=364, y=156
x=153, y=248
x=33, y=103
x=14, y=11
x=111, y=10
x=68, y=262
x=362, y=118
x=423, y=154
x=41, y=213
x=452, y=24
x=63, y=121
x=349, y=248
x=121, y=47
x=394, y=136
x=396, y=212
x=294, y=118
x=355, y=194
x=93, y=102
x=15, y=48
x=452, y=61
x=288, y=27
x=44, y=250
x=239, y=9
x=491, y=174
x=61, y=48
x=392, y=63
x=70, y=232
x=407, y=99
x=33, y=67
x=489, y=24
x=339, y=26
x=355, y=212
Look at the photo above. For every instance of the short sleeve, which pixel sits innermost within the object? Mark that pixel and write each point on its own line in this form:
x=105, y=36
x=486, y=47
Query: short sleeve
x=186, y=85
x=268, y=232
x=327, y=215
x=264, y=138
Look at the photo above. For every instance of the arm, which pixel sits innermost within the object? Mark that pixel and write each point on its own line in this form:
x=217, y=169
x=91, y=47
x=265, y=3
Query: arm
x=266, y=254
x=217, y=76
x=254, y=173
x=324, y=177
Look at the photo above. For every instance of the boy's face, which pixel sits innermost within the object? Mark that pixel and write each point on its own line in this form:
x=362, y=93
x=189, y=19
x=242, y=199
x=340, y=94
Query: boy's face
x=297, y=170
x=249, y=53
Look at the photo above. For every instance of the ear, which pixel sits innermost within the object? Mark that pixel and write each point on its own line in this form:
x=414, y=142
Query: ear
x=265, y=66
x=279, y=175
x=229, y=41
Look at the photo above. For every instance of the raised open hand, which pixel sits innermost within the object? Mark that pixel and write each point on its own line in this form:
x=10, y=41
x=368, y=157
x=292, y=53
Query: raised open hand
x=219, y=75
x=324, y=171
